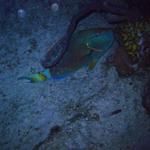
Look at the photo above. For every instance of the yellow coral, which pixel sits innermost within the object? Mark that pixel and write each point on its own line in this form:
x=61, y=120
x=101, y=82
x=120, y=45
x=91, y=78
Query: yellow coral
x=130, y=35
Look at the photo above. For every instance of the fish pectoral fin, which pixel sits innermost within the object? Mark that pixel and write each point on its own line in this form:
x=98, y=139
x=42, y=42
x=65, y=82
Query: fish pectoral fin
x=92, y=48
x=92, y=64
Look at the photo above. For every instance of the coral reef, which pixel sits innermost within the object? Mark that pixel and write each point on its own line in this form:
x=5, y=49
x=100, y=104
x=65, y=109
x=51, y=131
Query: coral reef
x=131, y=36
x=122, y=63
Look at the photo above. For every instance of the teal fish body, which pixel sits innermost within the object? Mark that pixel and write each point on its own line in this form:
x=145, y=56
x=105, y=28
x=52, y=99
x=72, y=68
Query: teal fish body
x=85, y=49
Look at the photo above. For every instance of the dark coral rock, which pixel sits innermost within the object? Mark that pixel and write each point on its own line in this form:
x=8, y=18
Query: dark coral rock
x=145, y=52
x=53, y=132
x=142, y=144
x=146, y=98
x=55, y=129
x=145, y=61
x=122, y=63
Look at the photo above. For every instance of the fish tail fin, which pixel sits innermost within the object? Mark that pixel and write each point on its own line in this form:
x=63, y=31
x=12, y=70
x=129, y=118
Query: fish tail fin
x=25, y=78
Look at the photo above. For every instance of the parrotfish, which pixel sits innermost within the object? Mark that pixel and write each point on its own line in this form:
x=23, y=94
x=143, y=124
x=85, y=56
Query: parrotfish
x=85, y=49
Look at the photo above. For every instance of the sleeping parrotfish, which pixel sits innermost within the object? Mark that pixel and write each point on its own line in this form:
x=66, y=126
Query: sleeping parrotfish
x=85, y=49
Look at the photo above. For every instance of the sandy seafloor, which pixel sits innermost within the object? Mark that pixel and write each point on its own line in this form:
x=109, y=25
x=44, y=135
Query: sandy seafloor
x=79, y=104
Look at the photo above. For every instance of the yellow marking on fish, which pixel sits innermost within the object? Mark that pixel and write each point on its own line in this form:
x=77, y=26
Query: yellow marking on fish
x=92, y=64
x=42, y=76
x=38, y=77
